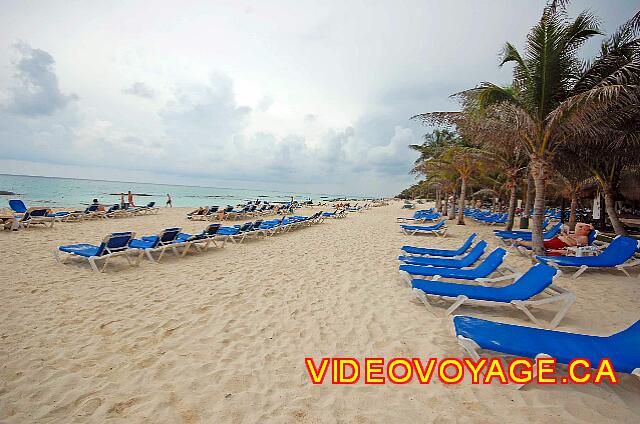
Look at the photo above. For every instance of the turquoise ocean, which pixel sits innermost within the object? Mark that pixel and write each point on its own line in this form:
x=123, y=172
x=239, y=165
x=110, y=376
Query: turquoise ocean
x=70, y=192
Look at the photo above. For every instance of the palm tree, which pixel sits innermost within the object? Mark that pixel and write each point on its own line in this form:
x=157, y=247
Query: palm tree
x=543, y=79
x=606, y=135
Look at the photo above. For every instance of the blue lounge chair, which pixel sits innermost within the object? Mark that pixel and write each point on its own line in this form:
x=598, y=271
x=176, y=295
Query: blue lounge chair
x=206, y=237
x=467, y=260
x=617, y=255
x=422, y=251
x=438, y=229
x=166, y=239
x=509, y=236
x=535, y=281
x=19, y=207
x=479, y=274
x=622, y=348
x=421, y=216
x=35, y=215
x=115, y=244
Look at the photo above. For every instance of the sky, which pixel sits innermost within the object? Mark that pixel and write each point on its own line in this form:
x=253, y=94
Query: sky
x=310, y=96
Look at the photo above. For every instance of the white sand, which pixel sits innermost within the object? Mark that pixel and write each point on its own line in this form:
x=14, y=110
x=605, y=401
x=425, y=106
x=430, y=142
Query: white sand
x=221, y=336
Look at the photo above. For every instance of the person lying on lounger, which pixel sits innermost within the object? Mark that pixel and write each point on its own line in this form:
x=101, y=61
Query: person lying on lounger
x=199, y=211
x=557, y=245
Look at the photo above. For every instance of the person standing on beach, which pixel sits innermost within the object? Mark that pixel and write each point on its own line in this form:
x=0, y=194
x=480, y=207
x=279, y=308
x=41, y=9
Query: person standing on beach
x=169, y=203
x=121, y=200
x=130, y=198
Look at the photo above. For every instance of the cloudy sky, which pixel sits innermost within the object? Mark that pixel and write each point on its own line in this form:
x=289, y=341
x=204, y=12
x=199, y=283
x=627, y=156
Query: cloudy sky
x=283, y=95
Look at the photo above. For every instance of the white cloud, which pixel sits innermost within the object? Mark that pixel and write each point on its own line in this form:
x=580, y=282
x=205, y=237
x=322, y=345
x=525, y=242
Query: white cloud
x=140, y=89
x=317, y=94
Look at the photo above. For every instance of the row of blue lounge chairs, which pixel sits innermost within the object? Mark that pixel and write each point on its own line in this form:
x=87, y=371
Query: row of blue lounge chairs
x=173, y=239
x=24, y=217
x=474, y=334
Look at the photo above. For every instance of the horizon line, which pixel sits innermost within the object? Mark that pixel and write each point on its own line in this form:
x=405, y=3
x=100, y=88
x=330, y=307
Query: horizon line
x=177, y=185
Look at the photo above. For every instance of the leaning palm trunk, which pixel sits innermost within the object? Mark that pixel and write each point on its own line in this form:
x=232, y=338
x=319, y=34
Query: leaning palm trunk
x=572, y=210
x=438, y=200
x=609, y=203
x=538, y=173
x=463, y=194
x=512, y=207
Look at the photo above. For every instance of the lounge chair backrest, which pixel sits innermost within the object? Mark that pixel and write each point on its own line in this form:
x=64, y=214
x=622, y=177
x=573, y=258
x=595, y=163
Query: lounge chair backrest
x=475, y=253
x=168, y=235
x=151, y=204
x=629, y=336
x=246, y=226
x=553, y=231
x=212, y=229
x=111, y=209
x=40, y=212
x=592, y=237
x=115, y=242
x=619, y=251
x=467, y=244
x=228, y=209
x=17, y=206
x=437, y=226
x=492, y=261
x=531, y=283
x=257, y=223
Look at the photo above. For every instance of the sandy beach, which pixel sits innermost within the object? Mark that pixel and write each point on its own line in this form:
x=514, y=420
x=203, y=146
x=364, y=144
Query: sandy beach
x=221, y=336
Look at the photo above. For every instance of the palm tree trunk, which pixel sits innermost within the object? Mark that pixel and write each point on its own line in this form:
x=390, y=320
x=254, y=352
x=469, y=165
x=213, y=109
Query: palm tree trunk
x=437, y=199
x=572, y=209
x=463, y=196
x=452, y=206
x=445, y=204
x=609, y=203
x=512, y=207
x=524, y=220
x=537, y=167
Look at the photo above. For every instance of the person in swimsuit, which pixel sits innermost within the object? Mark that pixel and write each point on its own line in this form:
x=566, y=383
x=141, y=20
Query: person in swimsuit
x=556, y=246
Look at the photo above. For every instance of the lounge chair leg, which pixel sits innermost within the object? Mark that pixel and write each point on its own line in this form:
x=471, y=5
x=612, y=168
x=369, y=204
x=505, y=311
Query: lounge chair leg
x=569, y=300
x=55, y=255
x=582, y=269
x=459, y=301
x=535, y=368
x=92, y=262
x=470, y=346
x=622, y=268
x=405, y=278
